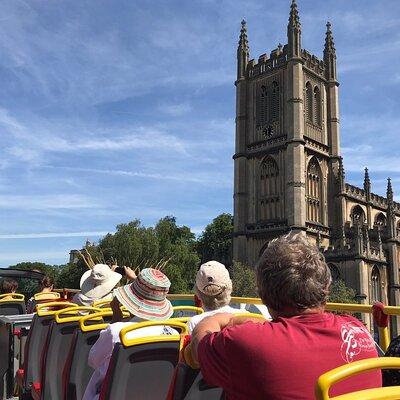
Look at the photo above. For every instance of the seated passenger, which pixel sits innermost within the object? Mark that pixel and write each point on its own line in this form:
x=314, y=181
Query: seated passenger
x=145, y=299
x=97, y=284
x=391, y=377
x=283, y=358
x=8, y=286
x=46, y=286
x=213, y=288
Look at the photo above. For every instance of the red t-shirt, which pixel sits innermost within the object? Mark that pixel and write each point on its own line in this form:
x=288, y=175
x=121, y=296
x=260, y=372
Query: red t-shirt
x=282, y=360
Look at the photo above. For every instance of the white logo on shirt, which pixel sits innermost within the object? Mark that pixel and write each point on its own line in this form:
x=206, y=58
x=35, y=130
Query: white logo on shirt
x=354, y=340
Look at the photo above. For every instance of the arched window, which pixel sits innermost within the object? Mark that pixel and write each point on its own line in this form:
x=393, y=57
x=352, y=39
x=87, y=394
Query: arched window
x=357, y=216
x=314, y=191
x=317, y=107
x=376, y=294
x=269, y=201
x=335, y=273
x=380, y=221
x=274, y=109
x=309, y=101
x=262, y=106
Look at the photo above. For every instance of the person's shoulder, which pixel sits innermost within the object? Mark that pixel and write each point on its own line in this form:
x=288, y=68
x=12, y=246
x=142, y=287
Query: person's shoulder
x=247, y=330
x=349, y=324
x=345, y=318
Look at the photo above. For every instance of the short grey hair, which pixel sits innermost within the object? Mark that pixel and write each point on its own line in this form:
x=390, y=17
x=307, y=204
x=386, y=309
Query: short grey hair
x=214, y=302
x=292, y=273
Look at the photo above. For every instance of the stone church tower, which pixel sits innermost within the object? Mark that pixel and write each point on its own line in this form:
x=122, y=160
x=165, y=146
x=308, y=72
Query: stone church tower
x=289, y=174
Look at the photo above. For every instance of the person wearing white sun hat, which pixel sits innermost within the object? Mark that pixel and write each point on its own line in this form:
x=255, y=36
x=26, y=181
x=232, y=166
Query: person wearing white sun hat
x=96, y=284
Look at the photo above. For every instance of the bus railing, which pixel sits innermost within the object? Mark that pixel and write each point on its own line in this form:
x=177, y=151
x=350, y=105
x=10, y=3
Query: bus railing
x=379, y=311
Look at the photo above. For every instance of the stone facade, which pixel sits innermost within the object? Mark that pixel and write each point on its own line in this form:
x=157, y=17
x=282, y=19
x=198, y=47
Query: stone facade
x=289, y=174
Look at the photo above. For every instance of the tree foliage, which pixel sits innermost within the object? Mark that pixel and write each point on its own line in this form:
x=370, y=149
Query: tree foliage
x=135, y=245
x=340, y=293
x=215, y=243
x=243, y=280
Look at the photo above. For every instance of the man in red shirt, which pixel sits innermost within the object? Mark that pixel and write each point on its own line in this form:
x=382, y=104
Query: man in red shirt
x=282, y=359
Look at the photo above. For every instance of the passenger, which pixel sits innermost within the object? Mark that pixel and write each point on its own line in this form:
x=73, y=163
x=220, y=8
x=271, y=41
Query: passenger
x=46, y=286
x=213, y=288
x=391, y=377
x=283, y=359
x=97, y=284
x=8, y=286
x=145, y=299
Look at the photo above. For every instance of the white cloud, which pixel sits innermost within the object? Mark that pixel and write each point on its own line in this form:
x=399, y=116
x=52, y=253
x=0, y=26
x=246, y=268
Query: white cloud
x=7, y=258
x=193, y=177
x=175, y=110
x=24, y=154
x=52, y=235
x=45, y=202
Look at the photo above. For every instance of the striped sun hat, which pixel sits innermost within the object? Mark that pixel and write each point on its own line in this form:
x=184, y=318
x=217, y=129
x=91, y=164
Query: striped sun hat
x=145, y=297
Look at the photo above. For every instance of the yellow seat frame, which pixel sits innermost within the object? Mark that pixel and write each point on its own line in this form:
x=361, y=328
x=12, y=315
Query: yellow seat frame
x=15, y=297
x=128, y=342
x=326, y=380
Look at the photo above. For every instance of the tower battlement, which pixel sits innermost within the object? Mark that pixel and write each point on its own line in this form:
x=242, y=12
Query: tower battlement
x=265, y=63
x=312, y=62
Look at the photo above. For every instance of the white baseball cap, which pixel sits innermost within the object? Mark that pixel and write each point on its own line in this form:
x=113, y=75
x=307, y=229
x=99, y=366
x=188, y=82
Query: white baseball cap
x=213, y=278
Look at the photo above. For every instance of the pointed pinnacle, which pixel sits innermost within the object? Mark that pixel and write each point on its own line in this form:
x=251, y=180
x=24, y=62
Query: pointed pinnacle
x=389, y=188
x=294, y=20
x=243, y=42
x=367, y=181
x=329, y=43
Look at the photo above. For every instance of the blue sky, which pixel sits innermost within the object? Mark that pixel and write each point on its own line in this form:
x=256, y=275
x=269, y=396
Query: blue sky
x=115, y=110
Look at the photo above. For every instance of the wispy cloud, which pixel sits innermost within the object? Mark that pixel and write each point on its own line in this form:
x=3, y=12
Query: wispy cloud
x=190, y=177
x=7, y=258
x=175, y=110
x=52, y=235
x=46, y=202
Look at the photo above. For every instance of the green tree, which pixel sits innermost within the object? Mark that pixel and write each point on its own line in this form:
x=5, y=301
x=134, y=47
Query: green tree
x=340, y=293
x=243, y=280
x=132, y=244
x=177, y=244
x=215, y=243
x=135, y=245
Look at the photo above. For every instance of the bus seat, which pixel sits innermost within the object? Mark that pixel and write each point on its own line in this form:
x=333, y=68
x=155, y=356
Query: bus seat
x=55, y=353
x=135, y=363
x=40, y=298
x=30, y=372
x=188, y=384
x=77, y=372
x=47, y=296
x=14, y=296
x=13, y=306
x=326, y=380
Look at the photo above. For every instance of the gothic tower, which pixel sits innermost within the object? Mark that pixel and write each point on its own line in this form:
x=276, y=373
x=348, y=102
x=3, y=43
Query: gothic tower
x=287, y=155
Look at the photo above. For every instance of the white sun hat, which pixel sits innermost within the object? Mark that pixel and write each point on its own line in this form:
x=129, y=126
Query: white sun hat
x=99, y=281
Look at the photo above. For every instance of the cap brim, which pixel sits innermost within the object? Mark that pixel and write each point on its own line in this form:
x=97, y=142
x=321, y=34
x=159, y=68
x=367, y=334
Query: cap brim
x=143, y=308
